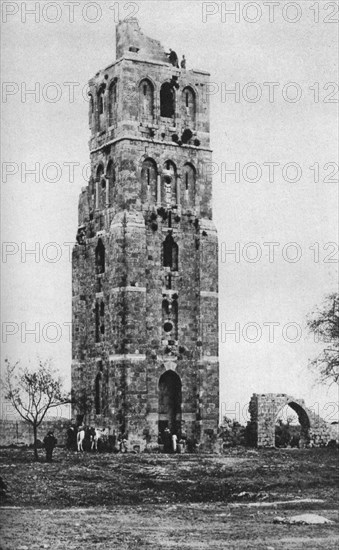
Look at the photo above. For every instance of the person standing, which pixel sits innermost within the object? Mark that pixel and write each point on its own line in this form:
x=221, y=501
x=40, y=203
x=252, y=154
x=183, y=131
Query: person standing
x=167, y=440
x=174, y=443
x=183, y=62
x=122, y=442
x=49, y=441
x=173, y=58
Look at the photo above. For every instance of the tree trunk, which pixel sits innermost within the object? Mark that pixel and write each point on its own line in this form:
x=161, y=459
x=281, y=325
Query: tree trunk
x=35, y=442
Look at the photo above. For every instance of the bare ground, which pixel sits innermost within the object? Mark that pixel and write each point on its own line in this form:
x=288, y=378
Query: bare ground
x=109, y=501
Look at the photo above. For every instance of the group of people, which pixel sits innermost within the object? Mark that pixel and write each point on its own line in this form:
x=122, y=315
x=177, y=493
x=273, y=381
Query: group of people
x=169, y=441
x=174, y=60
x=89, y=439
x=95, y=439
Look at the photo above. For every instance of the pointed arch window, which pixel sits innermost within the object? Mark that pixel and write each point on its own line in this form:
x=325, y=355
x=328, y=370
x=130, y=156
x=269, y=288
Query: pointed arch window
x=102, y=318
x=167, y=100
x=170, y=253
x=100, y=258
x=112, y=103
x=149, y=174
x=100, y=104
x=146, y=99
x=100, y=197
x=189, y=191
x=91, y=112
x=110, y=177
x=188, y=107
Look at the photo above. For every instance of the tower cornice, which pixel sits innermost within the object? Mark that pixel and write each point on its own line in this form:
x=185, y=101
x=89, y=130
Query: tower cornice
x=150, y=141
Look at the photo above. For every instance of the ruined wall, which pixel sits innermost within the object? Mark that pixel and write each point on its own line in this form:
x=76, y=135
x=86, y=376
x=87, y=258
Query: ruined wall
x=18, y=432
x=264, y=409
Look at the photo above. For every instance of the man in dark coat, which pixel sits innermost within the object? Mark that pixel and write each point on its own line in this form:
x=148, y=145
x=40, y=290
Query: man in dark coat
x=167, y=439
x=71, y=442
x=173, y=58
x=49, y=441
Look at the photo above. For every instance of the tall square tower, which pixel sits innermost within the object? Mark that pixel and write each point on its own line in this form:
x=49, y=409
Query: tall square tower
x=145, y=273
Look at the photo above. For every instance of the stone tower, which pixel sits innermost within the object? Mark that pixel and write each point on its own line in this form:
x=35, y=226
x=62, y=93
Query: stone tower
x=145, y=274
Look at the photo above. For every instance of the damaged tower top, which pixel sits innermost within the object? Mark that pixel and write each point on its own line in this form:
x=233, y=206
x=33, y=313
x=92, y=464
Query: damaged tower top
x=129, y=38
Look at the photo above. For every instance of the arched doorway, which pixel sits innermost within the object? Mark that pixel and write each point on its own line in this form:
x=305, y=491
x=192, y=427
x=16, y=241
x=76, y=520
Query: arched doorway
x=170, y=402
x=292, y=426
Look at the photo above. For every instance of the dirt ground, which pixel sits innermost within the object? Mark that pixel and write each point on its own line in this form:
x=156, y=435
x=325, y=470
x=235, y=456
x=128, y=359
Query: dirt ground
x=128, y=501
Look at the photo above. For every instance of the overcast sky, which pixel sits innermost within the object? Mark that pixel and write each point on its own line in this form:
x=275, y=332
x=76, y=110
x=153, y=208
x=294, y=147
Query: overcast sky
x=294, y=201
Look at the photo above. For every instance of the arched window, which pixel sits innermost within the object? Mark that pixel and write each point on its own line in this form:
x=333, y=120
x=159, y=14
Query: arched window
x=91, y=184
x=146, y=99
x=101, y=103
x=189, y=185
x=112, y=104
x=98, y=393
x=102, y=318
x=101, y=187
x=110, y=177
x=149, y=174
x=170, y=253
x=188, y=107
x=167, y=100
x=169, y=184
x=100, y=258
x=91, y=112
x=101, y=108
x=97, y=323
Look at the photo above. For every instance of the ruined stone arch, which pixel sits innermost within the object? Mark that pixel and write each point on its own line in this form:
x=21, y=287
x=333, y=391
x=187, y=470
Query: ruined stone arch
x=264, y=410
x=303, y=418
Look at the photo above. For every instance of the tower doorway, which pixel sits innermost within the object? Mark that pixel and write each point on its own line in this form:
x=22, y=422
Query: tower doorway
x=170, y=402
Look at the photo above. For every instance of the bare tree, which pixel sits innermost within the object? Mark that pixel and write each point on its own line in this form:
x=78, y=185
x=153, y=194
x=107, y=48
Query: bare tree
x=33, y=392
x=324, y=323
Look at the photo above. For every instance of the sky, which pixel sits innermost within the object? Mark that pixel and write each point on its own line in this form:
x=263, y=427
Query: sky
x=276, y=214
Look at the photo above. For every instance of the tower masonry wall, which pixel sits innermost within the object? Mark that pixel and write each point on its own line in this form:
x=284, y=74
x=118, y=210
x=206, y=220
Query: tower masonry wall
x=145, y=273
